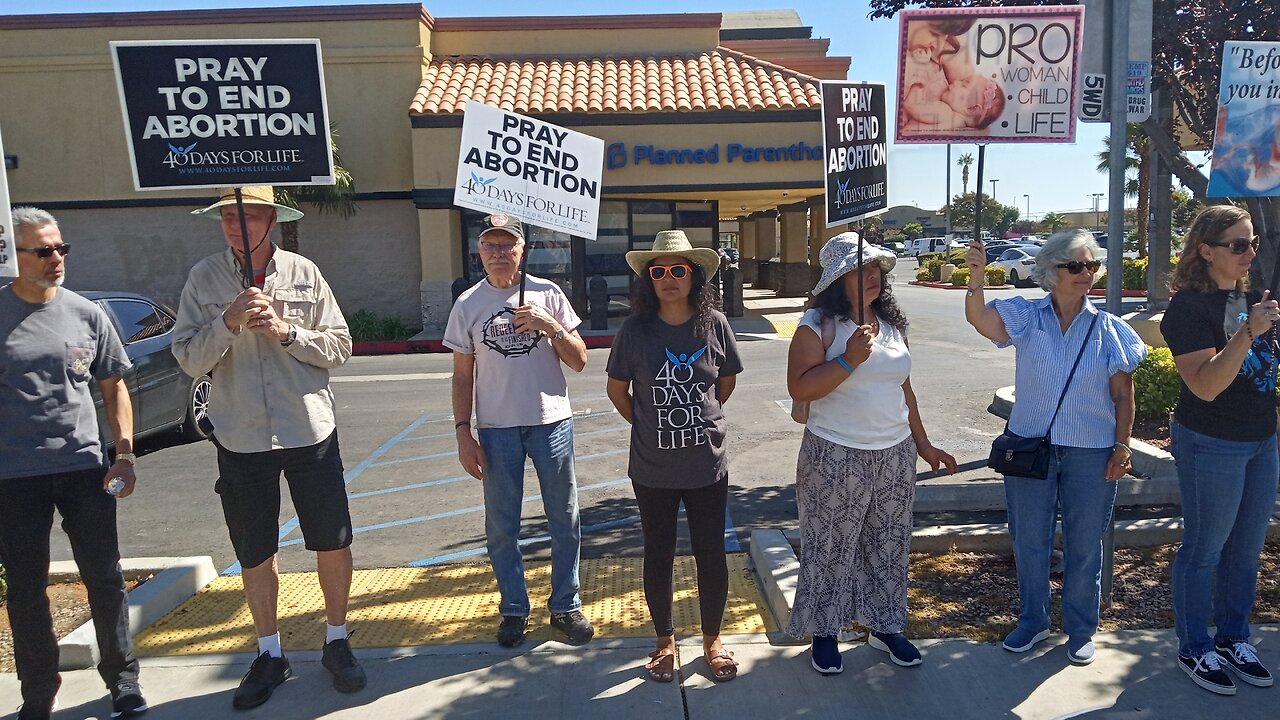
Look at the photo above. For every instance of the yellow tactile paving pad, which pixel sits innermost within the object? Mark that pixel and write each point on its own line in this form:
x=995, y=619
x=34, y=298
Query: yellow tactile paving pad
x=784, y=328
x=443, y=604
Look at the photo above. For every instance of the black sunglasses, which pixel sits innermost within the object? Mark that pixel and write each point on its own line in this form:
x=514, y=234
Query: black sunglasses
x=1075, y=267
x=1237, y=245
x=44, y=252
x=657, y=272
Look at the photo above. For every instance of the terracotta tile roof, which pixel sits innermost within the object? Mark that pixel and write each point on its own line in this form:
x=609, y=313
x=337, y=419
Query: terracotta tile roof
x=720, y=79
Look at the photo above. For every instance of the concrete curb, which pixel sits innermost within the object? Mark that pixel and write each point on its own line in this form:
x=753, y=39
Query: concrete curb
x=175, y=580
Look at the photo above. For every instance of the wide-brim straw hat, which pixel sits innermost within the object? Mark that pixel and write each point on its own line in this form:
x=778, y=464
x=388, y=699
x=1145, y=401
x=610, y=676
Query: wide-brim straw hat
x=674, y=242
x=840, y=255
x=253, y=195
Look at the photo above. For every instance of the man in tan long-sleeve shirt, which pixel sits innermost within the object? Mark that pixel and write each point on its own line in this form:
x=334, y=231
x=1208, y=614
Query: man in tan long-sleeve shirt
x=269, y=349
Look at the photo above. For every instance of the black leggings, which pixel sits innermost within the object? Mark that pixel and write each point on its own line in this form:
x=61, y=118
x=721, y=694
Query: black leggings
x=705, y=509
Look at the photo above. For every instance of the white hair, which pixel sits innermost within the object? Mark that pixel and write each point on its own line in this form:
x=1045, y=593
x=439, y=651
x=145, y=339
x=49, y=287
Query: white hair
x=1061, y=248
x=32, y=217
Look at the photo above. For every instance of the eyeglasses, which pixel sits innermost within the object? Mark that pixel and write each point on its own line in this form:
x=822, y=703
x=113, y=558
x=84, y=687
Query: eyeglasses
x=44, y=252
x=657, y=272
x=1237, y=245
x=498, y=248
x=1075, y=267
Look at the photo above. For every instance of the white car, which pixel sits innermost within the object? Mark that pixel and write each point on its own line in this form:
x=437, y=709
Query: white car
x=1018, y=263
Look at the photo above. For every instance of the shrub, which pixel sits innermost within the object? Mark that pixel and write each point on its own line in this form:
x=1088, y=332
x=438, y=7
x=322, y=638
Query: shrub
x=995, y=276
x=923, y=275
x=1155, y=385
x=1133, y=275
x=366, y=325
x=960, y=276
x=934, y=266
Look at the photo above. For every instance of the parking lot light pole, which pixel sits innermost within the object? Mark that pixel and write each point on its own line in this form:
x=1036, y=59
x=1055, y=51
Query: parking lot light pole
x=1096, y=222
x=993, y=188
x=1028, y=199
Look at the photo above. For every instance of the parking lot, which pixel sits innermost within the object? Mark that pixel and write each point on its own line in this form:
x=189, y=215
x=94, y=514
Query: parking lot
x=413, y=505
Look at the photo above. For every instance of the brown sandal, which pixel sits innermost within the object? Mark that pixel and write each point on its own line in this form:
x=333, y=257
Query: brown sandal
x=723, y=667
x=662, y=665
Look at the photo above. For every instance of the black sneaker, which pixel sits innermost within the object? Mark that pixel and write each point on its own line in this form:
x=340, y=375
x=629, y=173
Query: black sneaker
x=511, y=630
x=1242, y=659
x=900, y=649
x=574, y=625
x=127, y=700
x=37, y=711
x=265, y=674
x=1207, y=672
x=348, y=676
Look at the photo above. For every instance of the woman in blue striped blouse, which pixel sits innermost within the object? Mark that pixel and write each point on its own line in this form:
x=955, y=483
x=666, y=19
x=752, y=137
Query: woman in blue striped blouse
x=1089, y=437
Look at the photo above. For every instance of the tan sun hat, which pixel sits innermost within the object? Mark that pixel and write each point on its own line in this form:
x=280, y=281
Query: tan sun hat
x=674, y=242
x=253, y=195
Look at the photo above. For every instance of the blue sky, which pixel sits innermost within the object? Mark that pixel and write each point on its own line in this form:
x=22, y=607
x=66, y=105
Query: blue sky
x=1057, y=177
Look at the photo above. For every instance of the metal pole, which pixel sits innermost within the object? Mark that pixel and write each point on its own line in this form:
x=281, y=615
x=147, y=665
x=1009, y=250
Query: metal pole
x=1118, y=89
x=247, y=264
x=861, y=319
x=977, y=195
x=1028, y=197
x=993, y=188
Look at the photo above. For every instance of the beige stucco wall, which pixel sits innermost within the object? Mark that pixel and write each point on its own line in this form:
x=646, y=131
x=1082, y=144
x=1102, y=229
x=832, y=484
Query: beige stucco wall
x=575, y=42
x=61, y=112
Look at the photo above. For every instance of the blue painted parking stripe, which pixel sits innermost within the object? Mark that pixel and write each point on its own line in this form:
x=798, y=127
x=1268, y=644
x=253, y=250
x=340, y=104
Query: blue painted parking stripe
x=347, y=477
x=415, y=458
x=730, y=533
x=436, y=436
x=454, y=513
x=460, y=478
x=607, y=525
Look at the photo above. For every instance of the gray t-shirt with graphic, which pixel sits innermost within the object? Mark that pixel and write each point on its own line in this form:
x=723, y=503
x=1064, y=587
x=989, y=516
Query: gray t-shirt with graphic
x=519, y=380
x=50, y=353
x=677, y=425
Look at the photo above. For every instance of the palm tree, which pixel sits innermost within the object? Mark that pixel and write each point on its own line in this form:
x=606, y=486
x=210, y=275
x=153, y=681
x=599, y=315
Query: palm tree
x=1136, y=154
x=964, y=161
x=1053, y=221
x=338, y=198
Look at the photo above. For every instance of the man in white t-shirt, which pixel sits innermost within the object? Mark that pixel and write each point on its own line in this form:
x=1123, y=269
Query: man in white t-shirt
x=507, y=356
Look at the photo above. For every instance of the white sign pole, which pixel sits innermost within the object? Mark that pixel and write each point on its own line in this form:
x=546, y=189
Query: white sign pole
x=8, y=239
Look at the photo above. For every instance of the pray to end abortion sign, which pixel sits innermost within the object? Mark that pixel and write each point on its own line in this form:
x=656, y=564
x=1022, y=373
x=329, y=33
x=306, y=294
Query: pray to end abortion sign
x=221, y=113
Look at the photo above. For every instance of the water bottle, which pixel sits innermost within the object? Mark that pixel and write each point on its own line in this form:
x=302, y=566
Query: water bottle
x=115, y=486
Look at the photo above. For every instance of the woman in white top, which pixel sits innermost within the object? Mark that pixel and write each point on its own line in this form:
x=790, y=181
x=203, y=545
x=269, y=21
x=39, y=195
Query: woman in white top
x=855, y=479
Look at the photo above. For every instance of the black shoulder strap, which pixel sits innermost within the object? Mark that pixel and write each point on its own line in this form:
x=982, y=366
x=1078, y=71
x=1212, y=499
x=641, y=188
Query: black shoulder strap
x=1076, y=364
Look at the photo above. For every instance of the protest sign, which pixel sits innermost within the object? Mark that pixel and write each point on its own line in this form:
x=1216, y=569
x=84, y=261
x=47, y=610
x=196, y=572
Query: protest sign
x=855, y=138
x=541, y=173
x=989, y=74
x=222, y=113
x=1246, y=146
x=8, y=240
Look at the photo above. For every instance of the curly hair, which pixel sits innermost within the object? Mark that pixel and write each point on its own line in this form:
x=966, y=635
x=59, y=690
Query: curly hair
x=834, y=302
x=703, y=298
x=1192, y=270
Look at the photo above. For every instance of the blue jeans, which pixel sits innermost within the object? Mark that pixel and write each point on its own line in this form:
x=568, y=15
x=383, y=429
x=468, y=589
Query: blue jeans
x=1228, y=494
x=551, y=449
x=1077, y=483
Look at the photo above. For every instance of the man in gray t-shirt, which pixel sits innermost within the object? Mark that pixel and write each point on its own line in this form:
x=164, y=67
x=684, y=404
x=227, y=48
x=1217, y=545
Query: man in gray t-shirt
x=508, y=356
x=54, y=344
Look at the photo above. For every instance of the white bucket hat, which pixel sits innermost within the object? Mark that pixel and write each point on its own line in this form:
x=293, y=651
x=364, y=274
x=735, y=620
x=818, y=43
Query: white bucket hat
x=840, y=255
x=674, y=242
x=252, y=195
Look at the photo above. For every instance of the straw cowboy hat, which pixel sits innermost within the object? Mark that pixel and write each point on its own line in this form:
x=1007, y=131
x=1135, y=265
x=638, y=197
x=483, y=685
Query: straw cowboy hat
x=253, y=195
x=840, y=255
x=674, y=242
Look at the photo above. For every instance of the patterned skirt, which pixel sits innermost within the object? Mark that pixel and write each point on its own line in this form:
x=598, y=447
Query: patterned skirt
x=855, y=523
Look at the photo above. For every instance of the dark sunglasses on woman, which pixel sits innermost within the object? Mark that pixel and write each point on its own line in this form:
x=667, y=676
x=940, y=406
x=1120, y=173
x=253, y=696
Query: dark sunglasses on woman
x=1237, y=245
x=44, y=252
x=1075, y=267
x=657, y=272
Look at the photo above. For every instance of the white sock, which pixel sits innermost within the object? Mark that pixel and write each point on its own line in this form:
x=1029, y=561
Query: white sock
x=271, y=645
x=334, y=632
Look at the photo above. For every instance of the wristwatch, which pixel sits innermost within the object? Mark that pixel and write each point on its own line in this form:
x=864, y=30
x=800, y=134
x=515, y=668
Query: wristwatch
x=127, y=457
x=559, y=335
x=293, y=335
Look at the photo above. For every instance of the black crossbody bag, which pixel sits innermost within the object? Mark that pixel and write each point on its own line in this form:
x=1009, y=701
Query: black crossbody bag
x=1013, y=454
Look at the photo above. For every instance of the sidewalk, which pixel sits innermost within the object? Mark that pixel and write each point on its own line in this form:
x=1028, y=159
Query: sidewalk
x=1134, y=676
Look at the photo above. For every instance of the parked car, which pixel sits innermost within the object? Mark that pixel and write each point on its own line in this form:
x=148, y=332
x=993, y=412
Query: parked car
x=164, y=397
x=1017, y=263
x=894, y=247
x=916, y=246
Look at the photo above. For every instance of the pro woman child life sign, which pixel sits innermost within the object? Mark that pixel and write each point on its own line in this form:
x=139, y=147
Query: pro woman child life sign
x=988, y=74
x=1246, y=146
x=544, y=174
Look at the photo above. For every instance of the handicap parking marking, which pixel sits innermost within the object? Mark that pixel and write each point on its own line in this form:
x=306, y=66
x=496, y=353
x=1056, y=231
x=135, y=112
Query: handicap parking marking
x=347, y=477
x=730, y=533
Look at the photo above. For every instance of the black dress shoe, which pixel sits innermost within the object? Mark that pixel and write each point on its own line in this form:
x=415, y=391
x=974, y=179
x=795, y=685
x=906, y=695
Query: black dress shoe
x=348, y=676
x=265, y=674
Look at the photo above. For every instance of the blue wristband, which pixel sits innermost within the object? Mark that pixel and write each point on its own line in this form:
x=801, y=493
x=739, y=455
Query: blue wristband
x=844, y=363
